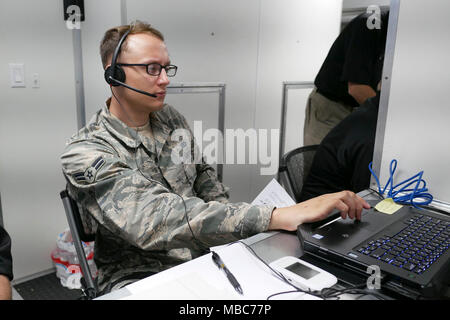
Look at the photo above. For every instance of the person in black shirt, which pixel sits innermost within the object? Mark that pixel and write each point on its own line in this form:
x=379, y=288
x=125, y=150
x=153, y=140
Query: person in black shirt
x=342, y=160
x=6, y=274
x=348, y=77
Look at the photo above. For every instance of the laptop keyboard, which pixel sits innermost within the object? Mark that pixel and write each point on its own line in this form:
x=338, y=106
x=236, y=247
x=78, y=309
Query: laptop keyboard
x=419, y=242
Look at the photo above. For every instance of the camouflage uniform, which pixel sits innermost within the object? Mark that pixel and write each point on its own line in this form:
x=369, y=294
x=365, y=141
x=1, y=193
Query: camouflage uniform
x=140, y=225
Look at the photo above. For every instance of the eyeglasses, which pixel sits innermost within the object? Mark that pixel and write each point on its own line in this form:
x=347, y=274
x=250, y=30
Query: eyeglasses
x=154, y=69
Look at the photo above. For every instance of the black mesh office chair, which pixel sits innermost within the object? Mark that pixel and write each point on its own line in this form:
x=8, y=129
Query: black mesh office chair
x=76, y=228
x=294, y=168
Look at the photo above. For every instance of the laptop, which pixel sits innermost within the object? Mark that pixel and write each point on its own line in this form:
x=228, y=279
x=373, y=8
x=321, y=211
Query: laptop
x=411, y=248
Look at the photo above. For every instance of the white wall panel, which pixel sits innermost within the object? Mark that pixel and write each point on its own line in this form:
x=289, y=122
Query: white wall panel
x=417, y=133
x=34, y=124
x=101, y=15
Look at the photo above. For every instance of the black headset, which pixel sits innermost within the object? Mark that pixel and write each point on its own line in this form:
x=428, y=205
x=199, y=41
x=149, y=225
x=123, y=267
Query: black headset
x=115, y=75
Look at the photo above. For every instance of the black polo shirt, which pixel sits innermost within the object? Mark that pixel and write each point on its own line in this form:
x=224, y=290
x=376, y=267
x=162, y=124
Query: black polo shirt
x=357, y=55
x=342, y=159
x=5, y=254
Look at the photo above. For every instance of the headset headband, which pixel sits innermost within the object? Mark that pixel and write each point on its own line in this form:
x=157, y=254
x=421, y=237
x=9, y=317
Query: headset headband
x=116, y=53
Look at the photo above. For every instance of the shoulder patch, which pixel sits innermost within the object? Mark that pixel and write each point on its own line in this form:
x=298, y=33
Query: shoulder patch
x=90, y=173
x=79, y=176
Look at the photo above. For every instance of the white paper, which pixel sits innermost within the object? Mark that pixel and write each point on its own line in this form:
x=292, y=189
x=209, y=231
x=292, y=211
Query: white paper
x=201, y=279
x=189, y=286
x=256, y=279
x=275, y=195
x=198, y=279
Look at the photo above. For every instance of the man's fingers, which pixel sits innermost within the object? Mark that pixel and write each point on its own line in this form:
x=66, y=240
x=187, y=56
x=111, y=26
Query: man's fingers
x=342, y=207
x=365, y=204
x=348, y=199
x=352, y=208
x=359, y=208
x=356, y=207
x=354, y=203
x=361, y=204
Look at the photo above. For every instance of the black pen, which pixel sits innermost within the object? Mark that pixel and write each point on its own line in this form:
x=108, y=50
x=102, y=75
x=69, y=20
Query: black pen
x=230, y=276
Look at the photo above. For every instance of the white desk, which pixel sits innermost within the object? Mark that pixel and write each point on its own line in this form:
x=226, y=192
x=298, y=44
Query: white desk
x=200, y=279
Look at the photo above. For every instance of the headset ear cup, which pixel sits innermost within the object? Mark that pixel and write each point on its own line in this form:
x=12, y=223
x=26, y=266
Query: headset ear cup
x=119, y=75
x=108, y=73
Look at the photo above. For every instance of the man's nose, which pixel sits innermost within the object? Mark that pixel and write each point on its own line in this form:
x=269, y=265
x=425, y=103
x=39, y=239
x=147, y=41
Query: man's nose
x=163, y=78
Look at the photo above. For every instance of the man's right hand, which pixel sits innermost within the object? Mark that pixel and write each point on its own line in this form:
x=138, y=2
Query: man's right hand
x=315, y=209
x=360, y=92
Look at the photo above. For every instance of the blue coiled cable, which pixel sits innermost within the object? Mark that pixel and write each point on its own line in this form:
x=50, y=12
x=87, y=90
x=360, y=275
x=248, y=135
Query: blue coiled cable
x=418, y=191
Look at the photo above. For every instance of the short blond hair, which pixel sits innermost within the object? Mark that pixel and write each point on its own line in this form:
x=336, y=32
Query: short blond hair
x=112, y=37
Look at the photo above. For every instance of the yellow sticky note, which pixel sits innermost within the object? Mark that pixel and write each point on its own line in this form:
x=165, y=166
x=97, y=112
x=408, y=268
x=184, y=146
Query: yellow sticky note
x=387, y=206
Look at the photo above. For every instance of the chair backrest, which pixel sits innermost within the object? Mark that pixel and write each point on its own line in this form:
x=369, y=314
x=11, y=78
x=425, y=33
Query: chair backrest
x=78, y=235
x=77, y=217
x=295, y=165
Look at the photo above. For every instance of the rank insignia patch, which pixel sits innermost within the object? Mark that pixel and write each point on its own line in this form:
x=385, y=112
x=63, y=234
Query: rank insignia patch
x=90, y=173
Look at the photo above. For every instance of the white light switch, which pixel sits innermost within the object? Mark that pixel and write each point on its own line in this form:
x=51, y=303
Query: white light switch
x=17, y=75
x=36, y=81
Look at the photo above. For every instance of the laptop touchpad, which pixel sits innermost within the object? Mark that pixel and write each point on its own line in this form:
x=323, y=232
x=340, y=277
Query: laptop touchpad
x=342, y=231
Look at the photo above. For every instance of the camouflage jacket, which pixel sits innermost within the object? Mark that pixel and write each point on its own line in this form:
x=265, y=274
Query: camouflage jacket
x=140, y=225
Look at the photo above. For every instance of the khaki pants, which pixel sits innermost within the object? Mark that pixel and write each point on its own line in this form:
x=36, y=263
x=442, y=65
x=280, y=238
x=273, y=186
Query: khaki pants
x=322, y=115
